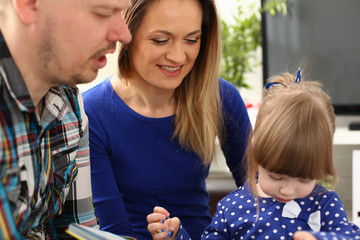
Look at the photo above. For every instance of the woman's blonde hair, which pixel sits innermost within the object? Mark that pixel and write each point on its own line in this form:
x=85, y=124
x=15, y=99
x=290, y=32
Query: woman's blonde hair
x=293, y=133
x=198, y=118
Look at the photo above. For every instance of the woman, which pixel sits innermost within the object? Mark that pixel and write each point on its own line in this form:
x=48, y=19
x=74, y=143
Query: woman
x=153, y=129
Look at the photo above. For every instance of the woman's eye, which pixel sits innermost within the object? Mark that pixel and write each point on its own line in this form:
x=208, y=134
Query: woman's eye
x=192, y=40
x=160, y=41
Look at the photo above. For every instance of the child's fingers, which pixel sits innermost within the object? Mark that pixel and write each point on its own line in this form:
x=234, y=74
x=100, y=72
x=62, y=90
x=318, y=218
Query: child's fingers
x=161, y=210
x=303, y=235
x=156, y=227
x=155, y=217
x=158, y=223
x=174, y=224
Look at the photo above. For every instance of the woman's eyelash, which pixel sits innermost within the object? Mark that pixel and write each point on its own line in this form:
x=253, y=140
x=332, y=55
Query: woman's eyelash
x=162, y=41
x=193, y=40
x=159, y=41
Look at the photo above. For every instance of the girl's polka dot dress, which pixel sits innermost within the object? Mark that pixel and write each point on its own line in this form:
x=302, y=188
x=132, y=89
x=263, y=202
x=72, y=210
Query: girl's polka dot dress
x=321, y=213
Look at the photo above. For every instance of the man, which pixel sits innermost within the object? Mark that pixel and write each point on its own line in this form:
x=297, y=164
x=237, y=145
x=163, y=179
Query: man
x=47, y=46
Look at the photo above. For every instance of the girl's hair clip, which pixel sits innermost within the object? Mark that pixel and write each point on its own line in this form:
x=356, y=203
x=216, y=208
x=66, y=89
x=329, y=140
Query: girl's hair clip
x=268, y=85
x=298, y=76
x=297, y=80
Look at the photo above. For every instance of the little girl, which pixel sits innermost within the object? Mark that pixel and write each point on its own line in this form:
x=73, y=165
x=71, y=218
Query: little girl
x=288, y=152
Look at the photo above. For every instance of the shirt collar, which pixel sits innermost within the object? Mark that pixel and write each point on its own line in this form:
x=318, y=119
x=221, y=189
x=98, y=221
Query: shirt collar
x=13, y=80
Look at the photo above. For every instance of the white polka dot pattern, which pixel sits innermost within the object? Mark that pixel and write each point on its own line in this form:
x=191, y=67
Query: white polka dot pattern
x=236, y=217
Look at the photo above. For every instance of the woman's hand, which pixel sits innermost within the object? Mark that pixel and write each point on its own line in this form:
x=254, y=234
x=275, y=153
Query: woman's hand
x=161, y=226
x=303, y=235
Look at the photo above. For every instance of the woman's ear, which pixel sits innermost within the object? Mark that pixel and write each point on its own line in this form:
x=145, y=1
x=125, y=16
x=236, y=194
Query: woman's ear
x=26, y=10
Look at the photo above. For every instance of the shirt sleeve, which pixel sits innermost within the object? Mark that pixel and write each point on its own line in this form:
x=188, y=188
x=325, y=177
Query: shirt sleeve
x=7, y=224
x=218, y=228
x=334, y=223
x=237, y=130
x=78, y=206
x=183, y=234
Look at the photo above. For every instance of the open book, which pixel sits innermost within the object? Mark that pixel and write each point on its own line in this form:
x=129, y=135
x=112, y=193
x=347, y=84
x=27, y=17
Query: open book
x=87, y=233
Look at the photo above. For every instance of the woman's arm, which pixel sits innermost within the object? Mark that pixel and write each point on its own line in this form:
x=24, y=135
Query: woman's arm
x=237, y=130
x=109, y=204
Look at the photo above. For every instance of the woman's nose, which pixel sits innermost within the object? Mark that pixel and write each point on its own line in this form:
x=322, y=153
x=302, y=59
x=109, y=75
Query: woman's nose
x=176, y=53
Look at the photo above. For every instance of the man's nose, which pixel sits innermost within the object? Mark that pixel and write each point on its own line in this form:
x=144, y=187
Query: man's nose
x=119, y=30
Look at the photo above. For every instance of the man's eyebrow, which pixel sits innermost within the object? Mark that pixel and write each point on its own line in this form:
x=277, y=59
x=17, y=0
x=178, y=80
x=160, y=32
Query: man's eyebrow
x=112, y=6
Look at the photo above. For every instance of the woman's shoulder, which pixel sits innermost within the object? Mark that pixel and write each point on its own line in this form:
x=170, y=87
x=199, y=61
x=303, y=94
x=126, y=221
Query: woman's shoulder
x=97, y=94
x=229, y=93
x=232, y=102
x=97, y=98
x=225, y=86
x=97, y=91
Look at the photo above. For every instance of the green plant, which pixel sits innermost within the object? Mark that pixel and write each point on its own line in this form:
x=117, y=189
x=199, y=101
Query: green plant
x=327, y=183
x=241, y=40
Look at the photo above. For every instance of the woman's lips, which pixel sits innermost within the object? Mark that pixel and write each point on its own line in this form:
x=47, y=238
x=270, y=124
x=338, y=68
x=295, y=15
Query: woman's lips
x=170, y=71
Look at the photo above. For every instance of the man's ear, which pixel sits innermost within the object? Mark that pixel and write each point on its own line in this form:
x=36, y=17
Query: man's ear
x=26, y=10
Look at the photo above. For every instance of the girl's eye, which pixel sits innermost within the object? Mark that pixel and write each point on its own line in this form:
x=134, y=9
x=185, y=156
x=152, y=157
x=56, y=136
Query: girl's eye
x=305, y=180
x=277, y=178
x=160, y=41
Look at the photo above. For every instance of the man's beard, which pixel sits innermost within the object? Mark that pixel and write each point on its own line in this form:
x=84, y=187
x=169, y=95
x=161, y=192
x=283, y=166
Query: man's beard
x=49, y=59
x=50, y=63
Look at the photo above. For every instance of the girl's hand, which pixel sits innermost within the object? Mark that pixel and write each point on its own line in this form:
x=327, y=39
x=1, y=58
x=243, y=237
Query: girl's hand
x=161, y=226
x=303, y=235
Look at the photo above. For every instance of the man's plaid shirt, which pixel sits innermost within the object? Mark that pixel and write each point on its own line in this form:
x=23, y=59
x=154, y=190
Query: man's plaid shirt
x=40, y=158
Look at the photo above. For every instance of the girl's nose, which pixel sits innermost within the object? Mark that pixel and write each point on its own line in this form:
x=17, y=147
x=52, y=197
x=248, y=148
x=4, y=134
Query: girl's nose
x=287, y=190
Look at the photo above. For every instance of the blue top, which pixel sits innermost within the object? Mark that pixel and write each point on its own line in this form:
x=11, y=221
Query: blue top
x=135, y=166
x=320, y=213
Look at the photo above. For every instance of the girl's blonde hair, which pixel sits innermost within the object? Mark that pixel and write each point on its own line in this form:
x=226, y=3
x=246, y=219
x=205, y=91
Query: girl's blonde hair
x=198, y=118
x=293, y=132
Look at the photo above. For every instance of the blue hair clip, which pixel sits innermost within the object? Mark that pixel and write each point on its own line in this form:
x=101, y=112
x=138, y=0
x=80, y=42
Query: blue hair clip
x=298, y=76
x=297, y=80
x=268, y=85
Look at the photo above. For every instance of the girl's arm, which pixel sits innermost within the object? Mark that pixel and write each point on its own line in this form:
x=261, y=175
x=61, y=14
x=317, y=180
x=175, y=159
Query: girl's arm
x=334, y=221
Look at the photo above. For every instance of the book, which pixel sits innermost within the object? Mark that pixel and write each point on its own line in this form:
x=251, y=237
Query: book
x=87, y=233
